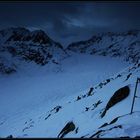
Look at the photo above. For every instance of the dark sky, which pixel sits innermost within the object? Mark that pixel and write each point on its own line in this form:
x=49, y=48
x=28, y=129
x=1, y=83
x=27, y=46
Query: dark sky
x=67, y=21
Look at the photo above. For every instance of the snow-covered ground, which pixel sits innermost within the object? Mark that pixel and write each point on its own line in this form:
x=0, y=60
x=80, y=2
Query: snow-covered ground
x=34, y=90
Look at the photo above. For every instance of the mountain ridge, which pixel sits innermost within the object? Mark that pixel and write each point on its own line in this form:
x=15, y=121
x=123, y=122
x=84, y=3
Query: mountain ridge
x=111, y=44
x=20, y=44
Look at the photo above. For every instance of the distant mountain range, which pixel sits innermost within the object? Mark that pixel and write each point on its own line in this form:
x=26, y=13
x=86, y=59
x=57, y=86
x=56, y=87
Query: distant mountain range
x=20, y=44
x=125, y=45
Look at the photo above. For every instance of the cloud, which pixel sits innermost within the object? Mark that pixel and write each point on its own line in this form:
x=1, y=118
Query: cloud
x=67, y=20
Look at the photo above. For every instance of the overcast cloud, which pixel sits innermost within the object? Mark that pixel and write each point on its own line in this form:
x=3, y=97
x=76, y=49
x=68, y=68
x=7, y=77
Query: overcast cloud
x=67, y=21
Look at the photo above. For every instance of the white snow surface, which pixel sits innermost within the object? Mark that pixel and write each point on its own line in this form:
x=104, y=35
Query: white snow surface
x=26, y=98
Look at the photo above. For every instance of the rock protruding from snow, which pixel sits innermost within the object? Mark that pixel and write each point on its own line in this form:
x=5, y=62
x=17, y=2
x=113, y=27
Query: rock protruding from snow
x=70, y=126
x=118, y=96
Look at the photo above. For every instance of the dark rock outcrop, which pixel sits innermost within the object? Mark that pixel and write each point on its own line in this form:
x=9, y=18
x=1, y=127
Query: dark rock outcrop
x=47, y=116
x=90, y=92
x=20, y=44
x=78, y=98
x=105, y=124
x=56, y=109
x=118, y=96
x=70, y=126
x=128, y=76
x=10, y=136
x=97, y=133
x=114, y=120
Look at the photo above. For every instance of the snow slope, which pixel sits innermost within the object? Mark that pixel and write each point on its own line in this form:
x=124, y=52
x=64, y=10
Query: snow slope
x=48, y=121
x=46, y=86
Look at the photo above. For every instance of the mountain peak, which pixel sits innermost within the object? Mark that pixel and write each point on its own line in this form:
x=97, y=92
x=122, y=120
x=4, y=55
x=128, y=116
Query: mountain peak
x=23, y=34
x=39, y=36
x=20, y=43
x=14, y=29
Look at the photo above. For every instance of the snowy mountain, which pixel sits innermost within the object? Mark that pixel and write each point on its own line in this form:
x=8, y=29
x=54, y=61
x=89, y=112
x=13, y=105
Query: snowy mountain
x=125, y=45
x=85, y=95
x=19, y=45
